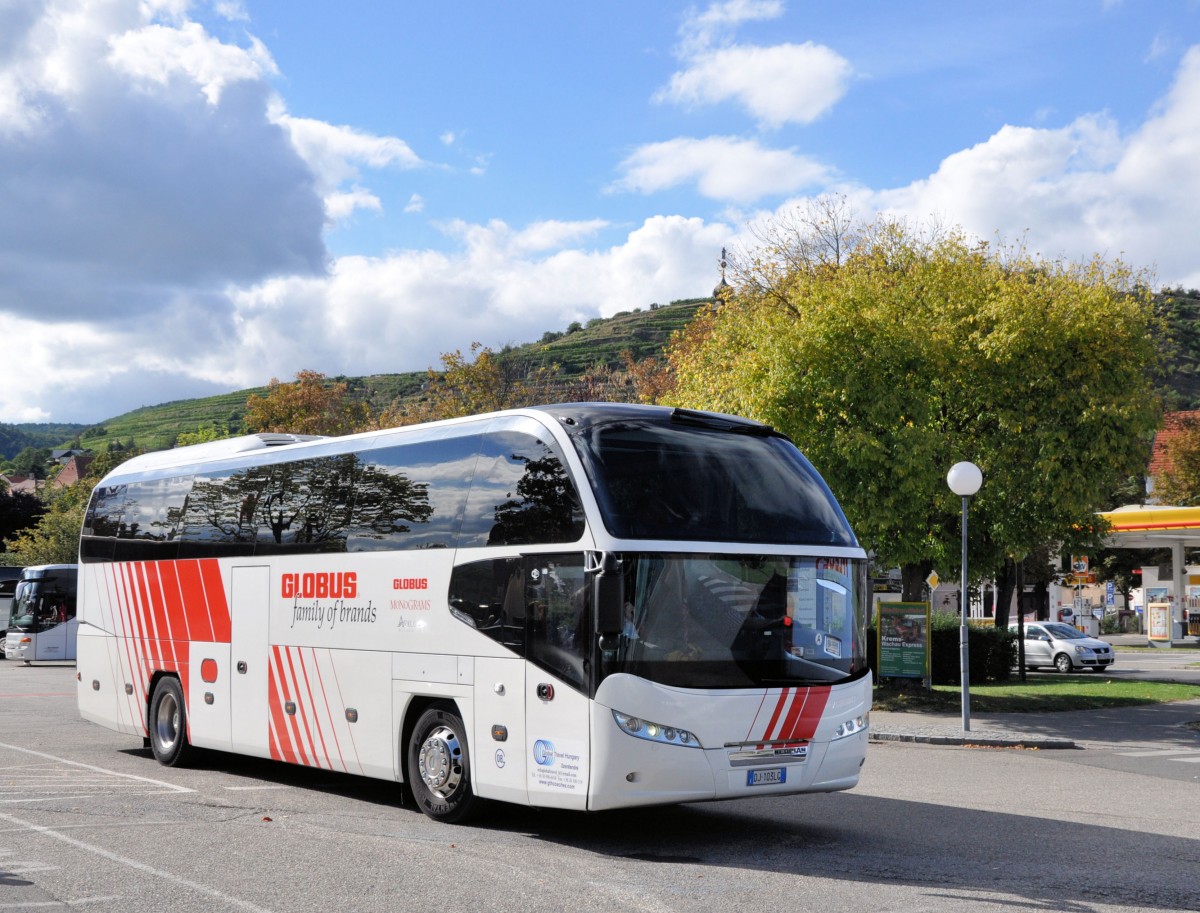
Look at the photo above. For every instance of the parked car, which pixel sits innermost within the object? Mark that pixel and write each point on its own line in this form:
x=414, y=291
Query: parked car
x=1051, y=643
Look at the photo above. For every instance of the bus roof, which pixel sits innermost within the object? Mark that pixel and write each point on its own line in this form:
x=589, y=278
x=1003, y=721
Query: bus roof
x=572, y=417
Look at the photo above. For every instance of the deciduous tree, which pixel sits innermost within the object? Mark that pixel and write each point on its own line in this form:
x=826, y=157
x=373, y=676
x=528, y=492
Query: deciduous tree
x=309, y=405
x=472, y=384
x=1179, y=482
x=898, y=354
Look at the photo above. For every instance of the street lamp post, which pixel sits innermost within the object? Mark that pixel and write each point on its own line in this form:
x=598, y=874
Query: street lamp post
x=964, y=480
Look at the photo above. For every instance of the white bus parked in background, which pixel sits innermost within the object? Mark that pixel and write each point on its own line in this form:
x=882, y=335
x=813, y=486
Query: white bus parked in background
x=42, y=625
x=578, y=606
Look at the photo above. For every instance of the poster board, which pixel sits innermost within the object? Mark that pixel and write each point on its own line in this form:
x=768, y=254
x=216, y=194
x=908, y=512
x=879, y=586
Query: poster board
x=1158, y=621
x=903, y=639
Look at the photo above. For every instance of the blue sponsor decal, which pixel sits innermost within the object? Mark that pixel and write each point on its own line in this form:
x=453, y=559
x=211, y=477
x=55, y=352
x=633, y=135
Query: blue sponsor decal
x=543, y=752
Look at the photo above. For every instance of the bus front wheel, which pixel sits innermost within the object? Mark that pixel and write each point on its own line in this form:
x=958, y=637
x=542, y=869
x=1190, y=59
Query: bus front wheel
x=439, y=766
x=168, y=724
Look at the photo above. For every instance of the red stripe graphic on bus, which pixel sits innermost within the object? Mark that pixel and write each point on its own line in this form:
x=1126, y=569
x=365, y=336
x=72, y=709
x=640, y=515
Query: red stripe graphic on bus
x=280, y=734
x=312, y=722
x=795, y=716
x=157, y=608
x=314, y=734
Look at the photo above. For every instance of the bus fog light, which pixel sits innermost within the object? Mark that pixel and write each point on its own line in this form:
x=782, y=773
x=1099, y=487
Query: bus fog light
x=655, y=732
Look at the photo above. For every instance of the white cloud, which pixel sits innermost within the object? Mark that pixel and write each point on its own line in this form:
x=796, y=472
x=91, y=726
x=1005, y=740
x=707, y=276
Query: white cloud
x=780, y=84
x=1081, y=189
x=335, y=154
x=159, y=53
x=339, y=204
x=398, y=312
x=702, y=28
x=367, y=315
x=785, y=83
x=722, y=167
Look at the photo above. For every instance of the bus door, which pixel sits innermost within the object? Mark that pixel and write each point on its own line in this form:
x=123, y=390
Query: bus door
x=499, y=736
x=53, y=629
x=557, y=707
x=249, y=659
x=489, y=597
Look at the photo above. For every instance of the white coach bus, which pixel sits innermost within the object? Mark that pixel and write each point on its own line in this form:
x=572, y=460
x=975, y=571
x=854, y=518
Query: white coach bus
x=586, y=606
x=41, y=623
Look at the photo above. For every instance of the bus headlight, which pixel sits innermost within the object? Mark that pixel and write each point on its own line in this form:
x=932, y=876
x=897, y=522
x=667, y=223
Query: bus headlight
x=851, y=727
x=655, y=732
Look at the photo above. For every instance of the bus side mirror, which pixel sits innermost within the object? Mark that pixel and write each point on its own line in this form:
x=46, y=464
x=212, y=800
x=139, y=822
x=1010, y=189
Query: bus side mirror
x=607, y=592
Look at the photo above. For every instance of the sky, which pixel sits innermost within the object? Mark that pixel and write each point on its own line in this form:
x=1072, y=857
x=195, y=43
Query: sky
x=198, y=197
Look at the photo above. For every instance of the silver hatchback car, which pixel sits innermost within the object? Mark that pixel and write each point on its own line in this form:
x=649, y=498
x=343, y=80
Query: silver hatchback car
x=1052, y=643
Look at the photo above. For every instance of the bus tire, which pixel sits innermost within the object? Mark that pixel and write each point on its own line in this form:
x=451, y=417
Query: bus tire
x=168, y=724
x=439, y=766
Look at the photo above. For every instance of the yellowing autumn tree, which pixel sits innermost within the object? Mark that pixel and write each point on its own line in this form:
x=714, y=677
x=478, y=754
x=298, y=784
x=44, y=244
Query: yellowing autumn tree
x=309, y=405
x=893, y=355
x=1179, y=482
x=470, y=385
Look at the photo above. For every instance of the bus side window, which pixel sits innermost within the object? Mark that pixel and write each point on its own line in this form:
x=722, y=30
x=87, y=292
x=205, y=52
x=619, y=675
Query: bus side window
x=521, y=495
x=488, y=596
x=556, y=597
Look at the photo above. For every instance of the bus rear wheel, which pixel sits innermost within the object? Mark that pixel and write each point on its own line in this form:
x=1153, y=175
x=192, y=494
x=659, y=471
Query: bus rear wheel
x=168, y=724
x=439, y=766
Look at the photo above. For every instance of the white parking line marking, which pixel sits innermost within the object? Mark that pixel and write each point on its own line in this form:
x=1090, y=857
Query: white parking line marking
x=135, y=864
x=170, y=787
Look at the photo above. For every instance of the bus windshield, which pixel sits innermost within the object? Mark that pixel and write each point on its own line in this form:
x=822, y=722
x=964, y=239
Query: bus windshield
x=712, y=621
x=681, y=481
x=41, y=604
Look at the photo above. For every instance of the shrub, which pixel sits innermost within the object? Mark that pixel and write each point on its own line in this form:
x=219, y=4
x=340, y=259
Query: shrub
x=991, y=652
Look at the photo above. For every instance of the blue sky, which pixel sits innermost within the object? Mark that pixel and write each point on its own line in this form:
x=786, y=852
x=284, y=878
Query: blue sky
x=198, y=196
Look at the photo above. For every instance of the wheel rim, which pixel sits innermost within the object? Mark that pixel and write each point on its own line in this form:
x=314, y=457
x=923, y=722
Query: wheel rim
x=1064, y=664
x=166, y=722
x=440, y=762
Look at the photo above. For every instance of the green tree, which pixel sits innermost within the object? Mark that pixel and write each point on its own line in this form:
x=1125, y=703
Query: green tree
x=889, y=356
x=31, y=461
x=19, y=510
x=54, y=539
x=203, y=434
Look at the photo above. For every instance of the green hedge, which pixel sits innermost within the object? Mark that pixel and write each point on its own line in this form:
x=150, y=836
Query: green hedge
x=991, y=652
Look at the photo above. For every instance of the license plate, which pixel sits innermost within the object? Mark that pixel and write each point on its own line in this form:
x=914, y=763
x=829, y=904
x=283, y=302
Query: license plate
x=766, y=776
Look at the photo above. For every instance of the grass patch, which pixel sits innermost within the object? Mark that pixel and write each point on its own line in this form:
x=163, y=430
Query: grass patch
x=1040, y=695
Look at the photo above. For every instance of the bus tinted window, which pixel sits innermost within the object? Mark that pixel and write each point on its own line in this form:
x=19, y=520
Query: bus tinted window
x=211, y=527
x=102, y=522
x=393, y=511
x=490, y=596
x=151, y=515
x=656, y=481
x=521, y=495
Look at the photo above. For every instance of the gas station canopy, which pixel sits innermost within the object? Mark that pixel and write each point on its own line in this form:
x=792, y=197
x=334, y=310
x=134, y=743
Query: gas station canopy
x=1152, y=526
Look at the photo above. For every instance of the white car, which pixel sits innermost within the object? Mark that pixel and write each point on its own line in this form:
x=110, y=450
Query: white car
x=1051, y=643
